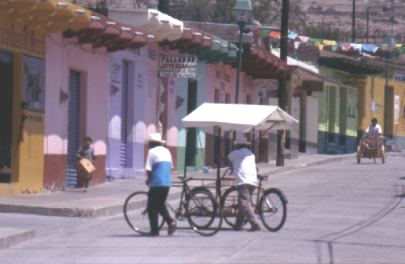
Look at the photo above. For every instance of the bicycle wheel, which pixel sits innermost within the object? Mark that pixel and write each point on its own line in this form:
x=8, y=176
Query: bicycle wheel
x=230, y=206
x=136, y=213
x=202, y=212
x=273, y=209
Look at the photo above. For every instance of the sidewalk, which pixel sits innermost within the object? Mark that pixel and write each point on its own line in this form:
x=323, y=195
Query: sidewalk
x=107, y=199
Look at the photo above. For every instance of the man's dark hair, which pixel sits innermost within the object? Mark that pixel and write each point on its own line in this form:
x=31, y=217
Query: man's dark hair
x=374, y=120
x=152, y=144
x=242, y=145
x=87, y=138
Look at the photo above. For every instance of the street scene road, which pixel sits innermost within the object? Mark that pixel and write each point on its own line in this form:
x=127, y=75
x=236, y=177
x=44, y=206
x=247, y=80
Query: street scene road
x=337, y=213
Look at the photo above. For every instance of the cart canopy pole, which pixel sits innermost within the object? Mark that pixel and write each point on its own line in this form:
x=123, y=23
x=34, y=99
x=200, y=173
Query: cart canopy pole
x=185, y=155
x=217, y=133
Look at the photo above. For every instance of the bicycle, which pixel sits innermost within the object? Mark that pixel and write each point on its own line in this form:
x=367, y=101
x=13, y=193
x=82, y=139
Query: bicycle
x=198, y=205
x=270, y=204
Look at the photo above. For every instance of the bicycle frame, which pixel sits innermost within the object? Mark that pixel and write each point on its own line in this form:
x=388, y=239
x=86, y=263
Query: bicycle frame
x=185, y=190
x=258, y=195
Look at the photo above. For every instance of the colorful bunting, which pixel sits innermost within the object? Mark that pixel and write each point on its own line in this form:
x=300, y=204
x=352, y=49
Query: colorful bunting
x=334, y=45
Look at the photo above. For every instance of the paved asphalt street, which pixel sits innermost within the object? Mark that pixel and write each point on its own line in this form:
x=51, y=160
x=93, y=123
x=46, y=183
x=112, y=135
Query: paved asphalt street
x=337, y=213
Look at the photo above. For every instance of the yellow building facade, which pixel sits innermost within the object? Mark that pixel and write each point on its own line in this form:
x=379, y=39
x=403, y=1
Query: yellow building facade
x=376, y=98
x=22, y=138
x=23, y=28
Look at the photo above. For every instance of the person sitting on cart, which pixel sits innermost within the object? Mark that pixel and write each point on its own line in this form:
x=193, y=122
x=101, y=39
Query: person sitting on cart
x=374, y=131
x=158, y=168
x=245, y=171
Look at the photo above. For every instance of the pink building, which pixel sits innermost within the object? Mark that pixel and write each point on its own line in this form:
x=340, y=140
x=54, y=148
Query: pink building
x=76, y=106
x=77, y=95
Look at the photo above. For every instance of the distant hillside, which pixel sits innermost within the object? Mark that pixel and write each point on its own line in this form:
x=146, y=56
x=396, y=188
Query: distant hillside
x=338, y=14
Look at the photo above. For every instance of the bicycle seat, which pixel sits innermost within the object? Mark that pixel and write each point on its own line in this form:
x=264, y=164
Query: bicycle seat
x=262, y=177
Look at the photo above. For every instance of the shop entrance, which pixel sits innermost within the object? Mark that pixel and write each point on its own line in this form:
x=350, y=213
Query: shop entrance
x=6, y=99
x=73, y=127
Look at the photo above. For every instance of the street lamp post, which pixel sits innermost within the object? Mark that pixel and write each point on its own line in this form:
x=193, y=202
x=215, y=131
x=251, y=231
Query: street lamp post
x=282, y=82
x=367, y=21
x=242, y=12
x=354, y=22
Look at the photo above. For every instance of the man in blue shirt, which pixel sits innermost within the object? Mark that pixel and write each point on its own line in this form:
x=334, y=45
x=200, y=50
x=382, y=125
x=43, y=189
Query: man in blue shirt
x=158, y=168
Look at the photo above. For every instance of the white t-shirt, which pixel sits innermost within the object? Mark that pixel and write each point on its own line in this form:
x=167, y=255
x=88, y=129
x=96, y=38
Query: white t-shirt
x=159, y=162
x=244, y=166
x=374, y=130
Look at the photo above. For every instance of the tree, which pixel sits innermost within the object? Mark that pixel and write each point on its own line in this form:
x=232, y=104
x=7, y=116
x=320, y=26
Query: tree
x=265, y=11
x=191, y=10
x=269, y=12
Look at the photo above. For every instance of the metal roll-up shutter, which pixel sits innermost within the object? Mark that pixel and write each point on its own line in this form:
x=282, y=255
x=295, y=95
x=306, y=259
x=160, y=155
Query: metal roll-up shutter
x=6, y=115
x=124, y=116
x=73, y=127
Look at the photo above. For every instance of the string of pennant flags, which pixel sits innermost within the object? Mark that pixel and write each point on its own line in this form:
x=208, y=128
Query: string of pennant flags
x=333, y=45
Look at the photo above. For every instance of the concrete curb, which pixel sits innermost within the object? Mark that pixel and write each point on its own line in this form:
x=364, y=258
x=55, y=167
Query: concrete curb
x=71, y=212
x=10, y=236
x=332, y=159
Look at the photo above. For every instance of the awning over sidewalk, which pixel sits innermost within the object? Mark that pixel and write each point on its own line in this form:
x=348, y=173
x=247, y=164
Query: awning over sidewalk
x=240, y=117
x=47, y=15
x=296, y=63
x=104, y=32
x=261, y=63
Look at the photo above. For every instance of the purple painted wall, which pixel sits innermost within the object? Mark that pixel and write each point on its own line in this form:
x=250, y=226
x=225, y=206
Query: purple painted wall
x=148, y=94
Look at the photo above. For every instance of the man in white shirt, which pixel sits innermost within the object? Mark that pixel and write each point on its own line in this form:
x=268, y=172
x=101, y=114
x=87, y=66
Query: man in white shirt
x=245, y=172
x=158, y=168
x=374, y=131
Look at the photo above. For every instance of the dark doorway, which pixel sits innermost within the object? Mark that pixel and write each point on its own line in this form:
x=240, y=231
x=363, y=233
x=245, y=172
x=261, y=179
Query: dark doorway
x=6, y=99
x=332, y=115
x=124, y=116
x=389, y=112
x=302, y=146
x=191, y=141
x=73, y=126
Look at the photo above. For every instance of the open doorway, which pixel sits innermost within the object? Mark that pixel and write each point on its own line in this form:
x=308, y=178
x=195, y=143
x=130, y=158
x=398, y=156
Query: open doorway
x=73, y=126
x=191, y=139
x=6, y=99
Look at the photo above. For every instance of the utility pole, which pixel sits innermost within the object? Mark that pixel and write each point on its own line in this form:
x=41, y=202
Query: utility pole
x=354, y=22
x=367, y=24
x=387, y=91
x=392, y=18
x=282, y=81
x=163, y=5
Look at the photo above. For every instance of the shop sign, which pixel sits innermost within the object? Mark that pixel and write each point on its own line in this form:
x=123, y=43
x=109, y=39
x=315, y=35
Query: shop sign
x=20, y=38
x=396, y=110
x=182, y=66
